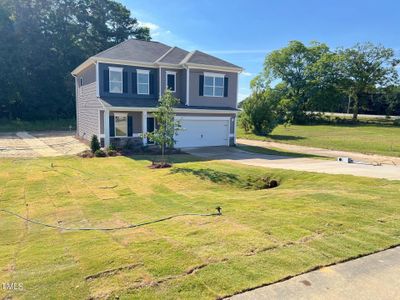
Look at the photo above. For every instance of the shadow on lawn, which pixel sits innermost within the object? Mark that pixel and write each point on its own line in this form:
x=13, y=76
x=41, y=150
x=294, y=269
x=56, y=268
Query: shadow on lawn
x=210, y=174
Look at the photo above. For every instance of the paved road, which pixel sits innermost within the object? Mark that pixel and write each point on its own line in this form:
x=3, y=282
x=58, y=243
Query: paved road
x=376, y=276
x=371, y=158
x=299, y=164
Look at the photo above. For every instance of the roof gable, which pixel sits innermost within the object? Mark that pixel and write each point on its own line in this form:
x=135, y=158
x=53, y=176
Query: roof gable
x=135, y=50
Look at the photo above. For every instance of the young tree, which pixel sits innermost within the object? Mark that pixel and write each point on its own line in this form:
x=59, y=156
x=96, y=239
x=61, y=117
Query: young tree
x=366, y=67
x=167, y=126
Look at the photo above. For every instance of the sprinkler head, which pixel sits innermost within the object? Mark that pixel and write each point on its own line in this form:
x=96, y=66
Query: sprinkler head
x=219, y=210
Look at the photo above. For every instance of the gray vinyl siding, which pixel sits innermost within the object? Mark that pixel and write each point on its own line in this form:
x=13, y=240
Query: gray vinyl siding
x=180, y=92
x=196, y=100
x=87, y=104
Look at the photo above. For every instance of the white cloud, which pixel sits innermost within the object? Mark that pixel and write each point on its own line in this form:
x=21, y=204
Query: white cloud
x=247, y=74
x=151, y=26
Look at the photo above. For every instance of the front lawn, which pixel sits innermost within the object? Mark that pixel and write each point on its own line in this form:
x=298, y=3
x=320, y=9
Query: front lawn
x=263, y=236
x=370, y=139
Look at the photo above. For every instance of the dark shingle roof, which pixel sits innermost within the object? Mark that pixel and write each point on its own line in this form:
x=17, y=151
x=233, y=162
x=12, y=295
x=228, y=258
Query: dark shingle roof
x=136, y=50
x=174, y=56
x=202, y=58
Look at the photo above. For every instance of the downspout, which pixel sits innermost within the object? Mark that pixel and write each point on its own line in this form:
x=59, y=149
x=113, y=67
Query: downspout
x=76, y=105
x=187, y=84
x=159, y=84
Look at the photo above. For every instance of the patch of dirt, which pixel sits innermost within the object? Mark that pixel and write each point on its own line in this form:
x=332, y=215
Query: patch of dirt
x=111, y=272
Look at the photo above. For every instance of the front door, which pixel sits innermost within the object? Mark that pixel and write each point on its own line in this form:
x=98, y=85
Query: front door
x=150, y=127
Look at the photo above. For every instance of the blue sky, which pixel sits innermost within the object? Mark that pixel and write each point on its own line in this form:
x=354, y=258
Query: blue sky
x=244, y=31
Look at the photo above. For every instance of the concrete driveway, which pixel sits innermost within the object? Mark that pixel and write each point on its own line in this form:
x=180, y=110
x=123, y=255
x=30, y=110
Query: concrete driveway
x=35, y=144
x=233, y=154
x=375, y=276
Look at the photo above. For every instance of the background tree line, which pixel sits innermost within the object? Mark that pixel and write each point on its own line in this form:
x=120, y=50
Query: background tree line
x=298, y=78
x=42, y=41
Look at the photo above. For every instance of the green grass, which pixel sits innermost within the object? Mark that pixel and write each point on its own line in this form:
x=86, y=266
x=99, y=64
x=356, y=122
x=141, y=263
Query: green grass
x=263, y=235
x=44, y=125
x=370, y=139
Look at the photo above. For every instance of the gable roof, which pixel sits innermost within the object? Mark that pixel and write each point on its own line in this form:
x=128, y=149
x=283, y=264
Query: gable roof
x=202, y=58
x=154, y=54
x=135, y=50
x=174, y=56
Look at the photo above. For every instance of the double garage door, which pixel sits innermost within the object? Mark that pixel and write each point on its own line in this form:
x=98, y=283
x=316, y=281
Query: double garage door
x=203, y=132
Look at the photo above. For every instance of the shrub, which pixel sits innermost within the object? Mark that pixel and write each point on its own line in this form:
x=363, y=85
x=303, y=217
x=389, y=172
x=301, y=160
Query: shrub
x=100, y=153
x=111, y=152
x=396, y=122
x=260, y=113
x=94, y=144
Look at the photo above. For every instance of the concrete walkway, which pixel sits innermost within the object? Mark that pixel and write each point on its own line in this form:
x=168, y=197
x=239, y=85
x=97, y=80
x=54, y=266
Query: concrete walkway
x=293, y=163
x=41, y=148
x=376, y=276
x=370, y=158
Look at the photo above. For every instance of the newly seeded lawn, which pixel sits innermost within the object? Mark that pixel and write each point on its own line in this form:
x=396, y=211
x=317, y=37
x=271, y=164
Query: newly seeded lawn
x=263, y=235
x=364, y=138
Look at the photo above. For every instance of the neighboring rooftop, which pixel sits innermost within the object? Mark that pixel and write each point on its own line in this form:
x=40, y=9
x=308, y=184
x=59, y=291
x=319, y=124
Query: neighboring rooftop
x=156, y=52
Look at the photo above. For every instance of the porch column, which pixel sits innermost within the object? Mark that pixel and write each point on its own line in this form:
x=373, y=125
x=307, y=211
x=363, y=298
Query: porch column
x=144, y=126
x=106, y=128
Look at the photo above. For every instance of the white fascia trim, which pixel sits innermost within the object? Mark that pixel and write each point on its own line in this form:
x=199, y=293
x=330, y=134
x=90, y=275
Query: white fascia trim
x=166, y=79
x=125, y=62
x=187, y=85
x=203, y=118
x=87, y=63
x=159, y=83
x=97, y=81
x=176, y=110
x=214, y=74
x=170, y=66
x=214, y=68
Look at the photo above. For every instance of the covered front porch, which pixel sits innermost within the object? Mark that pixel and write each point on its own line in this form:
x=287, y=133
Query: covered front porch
x=121, y=127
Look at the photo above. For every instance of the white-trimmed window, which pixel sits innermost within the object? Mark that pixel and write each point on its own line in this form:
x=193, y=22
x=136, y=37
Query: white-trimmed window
x=171, y=81
x=143, y=82
x=115, y=80
x=213, y=85
x=121, y=124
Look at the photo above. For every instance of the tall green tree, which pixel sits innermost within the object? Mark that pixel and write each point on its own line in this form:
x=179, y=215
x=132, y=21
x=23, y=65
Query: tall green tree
x=306, y=72
x=364, y=68
x=41, y=41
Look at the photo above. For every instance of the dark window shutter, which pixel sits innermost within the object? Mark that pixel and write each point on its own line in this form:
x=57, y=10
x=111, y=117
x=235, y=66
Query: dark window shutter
x=130, y=132
x=112, y=126
x=152, y=83
x=226, y=81
x=106, y=81
x=134, y=83
x=201, y=85
x=125, y=82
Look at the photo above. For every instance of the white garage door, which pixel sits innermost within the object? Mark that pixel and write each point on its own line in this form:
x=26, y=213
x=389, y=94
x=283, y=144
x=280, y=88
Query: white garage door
x=202, y=132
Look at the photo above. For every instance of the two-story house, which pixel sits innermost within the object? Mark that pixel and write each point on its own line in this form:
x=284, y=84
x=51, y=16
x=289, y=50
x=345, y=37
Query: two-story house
x=118, y=89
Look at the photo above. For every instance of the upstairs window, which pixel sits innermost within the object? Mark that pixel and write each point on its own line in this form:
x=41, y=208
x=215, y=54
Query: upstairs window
x=115, y=79
x=171, y=81
x=213, y=85
x=143, y=82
